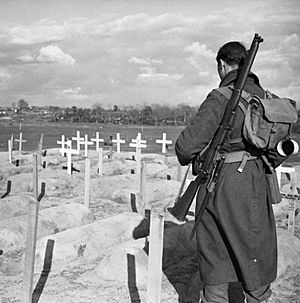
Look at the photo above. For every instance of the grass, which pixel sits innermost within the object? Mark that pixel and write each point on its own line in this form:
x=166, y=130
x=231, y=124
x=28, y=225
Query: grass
x=53, y=132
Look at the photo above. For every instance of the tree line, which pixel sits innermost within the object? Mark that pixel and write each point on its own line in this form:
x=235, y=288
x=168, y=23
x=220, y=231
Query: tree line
x=148, y=114
x=154, y=114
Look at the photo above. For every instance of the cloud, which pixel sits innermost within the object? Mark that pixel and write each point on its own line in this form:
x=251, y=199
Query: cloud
x=26, y=58
x=171, y=54
x=5, y=76
x=201, y=58
x=52, y=53
x=139, y=61
x=144, y=61
x=151, y=76
x=279, y=66
x=39, y=32
x=199, y=50
x=72, y=94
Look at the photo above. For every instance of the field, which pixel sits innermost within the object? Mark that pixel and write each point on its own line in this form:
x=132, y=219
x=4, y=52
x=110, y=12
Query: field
x=53, y=132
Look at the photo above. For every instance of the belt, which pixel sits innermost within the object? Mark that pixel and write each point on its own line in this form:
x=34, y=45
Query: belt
x=238, y=156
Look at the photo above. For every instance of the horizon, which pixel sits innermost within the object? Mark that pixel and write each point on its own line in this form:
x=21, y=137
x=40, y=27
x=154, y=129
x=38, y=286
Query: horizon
x=136, y=52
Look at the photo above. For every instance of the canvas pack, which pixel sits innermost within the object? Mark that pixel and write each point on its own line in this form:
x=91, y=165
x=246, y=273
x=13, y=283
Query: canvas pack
x=268, y=120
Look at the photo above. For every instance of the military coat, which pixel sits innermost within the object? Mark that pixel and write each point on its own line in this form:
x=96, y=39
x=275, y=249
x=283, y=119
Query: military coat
x=236, y=237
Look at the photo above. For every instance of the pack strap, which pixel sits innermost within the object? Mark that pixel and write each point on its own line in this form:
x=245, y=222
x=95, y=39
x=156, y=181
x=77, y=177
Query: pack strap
x=226, y=91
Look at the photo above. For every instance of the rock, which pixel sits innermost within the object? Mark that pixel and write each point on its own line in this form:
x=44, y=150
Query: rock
x=123, y=195
x=154, y=169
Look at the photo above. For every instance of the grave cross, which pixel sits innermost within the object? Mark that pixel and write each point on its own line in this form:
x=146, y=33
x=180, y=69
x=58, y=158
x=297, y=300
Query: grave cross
x=118, y=141
x=97, y=140
x=138, y=143
x=155, y=257
x=283, y=170
x=86, y=143
x=164, y=142
x=9, y=151
x=20, y=140
x=69, y=151
x=291, y=197
x=78, y=139
x=87, y=176
x=12, y=141
x=31, y=237
x=40, y=149
x=63, y=144
x=100, y=161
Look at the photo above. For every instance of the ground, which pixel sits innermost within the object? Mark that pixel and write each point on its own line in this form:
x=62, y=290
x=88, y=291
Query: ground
x=80, y=280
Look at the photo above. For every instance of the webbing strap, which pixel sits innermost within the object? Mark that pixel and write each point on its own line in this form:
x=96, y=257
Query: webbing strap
x=226, y=91
x=239, y=156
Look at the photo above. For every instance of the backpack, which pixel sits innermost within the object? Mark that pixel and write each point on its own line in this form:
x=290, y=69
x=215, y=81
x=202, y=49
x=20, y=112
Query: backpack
x=268, y=120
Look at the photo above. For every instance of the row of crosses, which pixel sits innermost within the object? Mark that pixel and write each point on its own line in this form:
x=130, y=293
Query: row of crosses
x=138, y=143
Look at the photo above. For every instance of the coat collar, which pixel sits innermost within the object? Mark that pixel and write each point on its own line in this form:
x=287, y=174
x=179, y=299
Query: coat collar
x=232, y=76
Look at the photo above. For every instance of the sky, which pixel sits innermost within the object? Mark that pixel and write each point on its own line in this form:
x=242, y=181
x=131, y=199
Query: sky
x=134, y=52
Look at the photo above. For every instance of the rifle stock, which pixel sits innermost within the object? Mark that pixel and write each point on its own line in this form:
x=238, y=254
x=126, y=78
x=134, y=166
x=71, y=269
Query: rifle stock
x=207, y=168
x=183, y=203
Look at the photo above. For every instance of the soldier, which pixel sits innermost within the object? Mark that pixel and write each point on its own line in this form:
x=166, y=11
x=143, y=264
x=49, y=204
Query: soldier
x=236, y=236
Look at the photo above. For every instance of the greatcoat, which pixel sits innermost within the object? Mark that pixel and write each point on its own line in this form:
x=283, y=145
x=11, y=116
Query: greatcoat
x=236, y=237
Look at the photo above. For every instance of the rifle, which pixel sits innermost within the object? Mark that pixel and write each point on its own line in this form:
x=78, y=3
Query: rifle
x=209, y=169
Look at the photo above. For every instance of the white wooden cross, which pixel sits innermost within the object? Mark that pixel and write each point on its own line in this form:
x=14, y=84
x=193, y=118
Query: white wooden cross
x=69, y=151
x=40, y=149
x=164, y=142
x=97, y=140
x=138, y=143
x=9, y=151
x=86, y=143
x=292, y=197
x=283, y=170
x=31, y=237
x=118, y=141
x=142, y=180
x=155, y=258
x=87, y=177
x=12, y=141
x=20, y=142
x=78, y=139
x=63, y=144
x=100, y=161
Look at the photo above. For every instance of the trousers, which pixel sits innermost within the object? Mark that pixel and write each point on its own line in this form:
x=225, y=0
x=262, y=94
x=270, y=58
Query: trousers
x=219, y=294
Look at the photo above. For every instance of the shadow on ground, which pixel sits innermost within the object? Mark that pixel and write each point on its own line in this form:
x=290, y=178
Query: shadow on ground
x=180, y=262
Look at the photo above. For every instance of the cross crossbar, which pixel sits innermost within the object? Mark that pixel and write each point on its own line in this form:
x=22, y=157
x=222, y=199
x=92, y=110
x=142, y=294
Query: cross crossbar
x=164, y=142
